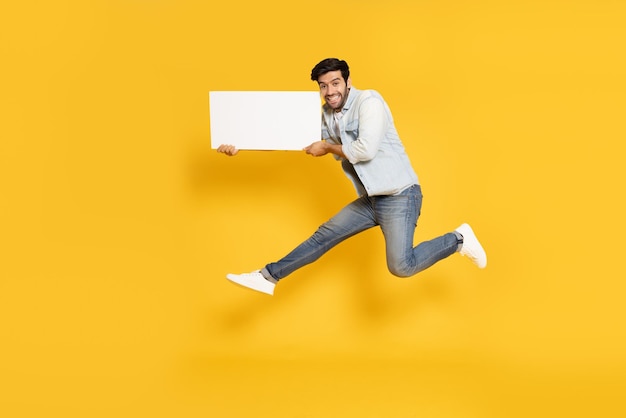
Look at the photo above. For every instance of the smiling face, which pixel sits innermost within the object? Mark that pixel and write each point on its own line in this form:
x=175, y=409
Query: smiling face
x=334, y=89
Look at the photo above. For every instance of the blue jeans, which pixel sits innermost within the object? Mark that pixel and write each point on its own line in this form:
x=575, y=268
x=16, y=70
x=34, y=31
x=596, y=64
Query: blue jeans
x=397, y=216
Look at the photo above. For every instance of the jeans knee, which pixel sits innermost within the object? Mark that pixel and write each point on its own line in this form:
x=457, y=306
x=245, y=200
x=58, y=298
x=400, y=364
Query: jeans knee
x=399, y=269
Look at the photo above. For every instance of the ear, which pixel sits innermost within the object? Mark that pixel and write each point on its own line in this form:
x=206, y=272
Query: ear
x=349, y=82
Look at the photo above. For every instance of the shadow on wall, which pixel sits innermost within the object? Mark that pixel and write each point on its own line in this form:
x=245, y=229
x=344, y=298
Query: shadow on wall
x=317, y=189
x=367, y=297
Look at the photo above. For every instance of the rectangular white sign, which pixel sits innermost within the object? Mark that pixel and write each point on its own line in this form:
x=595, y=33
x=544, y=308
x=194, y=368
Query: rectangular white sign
x=265, y=120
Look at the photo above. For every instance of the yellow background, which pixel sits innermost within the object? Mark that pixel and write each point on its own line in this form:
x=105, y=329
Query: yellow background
x=118, y=222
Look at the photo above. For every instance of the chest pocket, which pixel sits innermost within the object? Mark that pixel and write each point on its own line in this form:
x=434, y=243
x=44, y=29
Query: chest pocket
x=352, y=129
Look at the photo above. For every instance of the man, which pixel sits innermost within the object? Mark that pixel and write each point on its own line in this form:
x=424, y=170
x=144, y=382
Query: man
x=358, y=129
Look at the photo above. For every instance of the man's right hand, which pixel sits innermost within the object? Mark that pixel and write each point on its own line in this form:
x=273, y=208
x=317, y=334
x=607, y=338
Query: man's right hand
x=229, y=150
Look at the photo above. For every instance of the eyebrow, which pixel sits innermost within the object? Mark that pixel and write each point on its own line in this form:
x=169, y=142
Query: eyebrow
x=334, y=79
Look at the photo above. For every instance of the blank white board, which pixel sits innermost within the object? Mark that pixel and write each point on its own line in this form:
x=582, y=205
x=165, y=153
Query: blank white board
x=265, y=120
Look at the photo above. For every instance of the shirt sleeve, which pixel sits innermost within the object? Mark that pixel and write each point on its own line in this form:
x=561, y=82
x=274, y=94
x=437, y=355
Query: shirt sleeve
x=328, y=138
x=372, y=127
x=325, y=133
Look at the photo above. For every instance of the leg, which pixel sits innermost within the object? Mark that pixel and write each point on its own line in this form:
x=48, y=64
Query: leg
x=397, y=216
x=352, y=219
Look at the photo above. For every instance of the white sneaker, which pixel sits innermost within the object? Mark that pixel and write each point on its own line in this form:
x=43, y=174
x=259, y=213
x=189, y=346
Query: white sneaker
x=471, y=247
x=254, y=281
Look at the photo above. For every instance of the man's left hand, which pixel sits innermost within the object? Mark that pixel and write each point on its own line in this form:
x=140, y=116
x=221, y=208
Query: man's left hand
x=317, y=149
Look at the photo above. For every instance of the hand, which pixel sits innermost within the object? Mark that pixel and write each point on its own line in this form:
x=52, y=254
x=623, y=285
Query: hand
x=229, y=150
x=317, y=149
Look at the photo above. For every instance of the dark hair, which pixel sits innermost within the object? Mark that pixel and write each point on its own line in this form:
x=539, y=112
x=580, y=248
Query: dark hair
x=328, y=65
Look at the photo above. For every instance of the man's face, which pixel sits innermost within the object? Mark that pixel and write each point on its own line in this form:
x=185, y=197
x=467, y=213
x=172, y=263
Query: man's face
x=334, y=89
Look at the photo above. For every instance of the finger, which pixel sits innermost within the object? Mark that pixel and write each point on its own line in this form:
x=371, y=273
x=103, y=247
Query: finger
x=229, y=150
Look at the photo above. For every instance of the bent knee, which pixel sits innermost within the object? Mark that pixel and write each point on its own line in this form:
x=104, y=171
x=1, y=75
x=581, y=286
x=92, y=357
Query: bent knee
x=399, y=270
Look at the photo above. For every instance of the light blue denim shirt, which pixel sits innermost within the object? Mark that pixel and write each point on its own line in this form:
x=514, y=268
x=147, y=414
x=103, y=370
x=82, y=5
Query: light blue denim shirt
x=376, y=161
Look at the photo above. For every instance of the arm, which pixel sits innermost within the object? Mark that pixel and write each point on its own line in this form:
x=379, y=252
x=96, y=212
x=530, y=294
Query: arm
x=319, y=148
x=373, y=124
